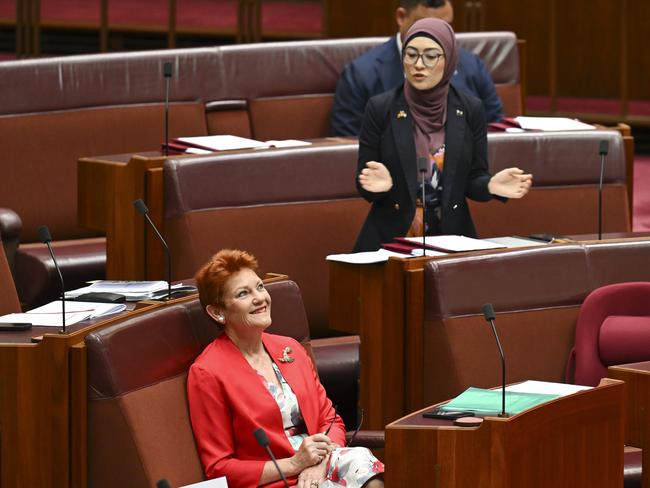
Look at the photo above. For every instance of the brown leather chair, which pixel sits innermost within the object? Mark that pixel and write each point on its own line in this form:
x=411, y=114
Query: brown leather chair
x=139, y=429
x=564, y=196
x=291, y=208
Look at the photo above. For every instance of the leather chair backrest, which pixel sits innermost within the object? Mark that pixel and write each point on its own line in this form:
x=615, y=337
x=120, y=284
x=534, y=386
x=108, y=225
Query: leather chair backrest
x=499, y=51
x=564, y=197
x=536, y=294
x=290, y=208
x=138, y=421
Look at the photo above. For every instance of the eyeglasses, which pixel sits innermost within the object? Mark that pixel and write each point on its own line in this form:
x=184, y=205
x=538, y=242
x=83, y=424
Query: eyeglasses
x=331, y=422
x=430, y=57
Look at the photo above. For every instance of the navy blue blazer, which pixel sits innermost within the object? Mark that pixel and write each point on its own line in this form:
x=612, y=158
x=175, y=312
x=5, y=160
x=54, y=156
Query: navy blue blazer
x=389, y=139
x=380, y=69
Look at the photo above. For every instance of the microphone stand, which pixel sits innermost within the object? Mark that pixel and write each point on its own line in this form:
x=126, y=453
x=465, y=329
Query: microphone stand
x=422, y=167
x=167, y=73
x=142, y=209
x=603, y=150
x=490, y=316
x=46, y=238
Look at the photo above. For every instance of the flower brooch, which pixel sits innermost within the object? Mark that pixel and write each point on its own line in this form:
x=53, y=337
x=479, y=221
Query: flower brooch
x=286, y=358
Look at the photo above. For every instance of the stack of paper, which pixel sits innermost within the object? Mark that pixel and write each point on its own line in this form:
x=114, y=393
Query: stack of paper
x=207, y=144
x=133, y=290
x=50, y=315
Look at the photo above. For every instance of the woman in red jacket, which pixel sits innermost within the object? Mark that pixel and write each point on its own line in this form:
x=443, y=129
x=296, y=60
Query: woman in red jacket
x=247, y=379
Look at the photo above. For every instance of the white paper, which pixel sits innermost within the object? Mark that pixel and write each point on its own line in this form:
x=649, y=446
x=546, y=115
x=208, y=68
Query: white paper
x=370, y=257
x=215, y=483
x=513, y=241
x=417, y=252
x=552, y=124
x=196, y=150
x=288, y=143
x=49, y=315
x=455, y=243
x=547, y=387
x=222, y=143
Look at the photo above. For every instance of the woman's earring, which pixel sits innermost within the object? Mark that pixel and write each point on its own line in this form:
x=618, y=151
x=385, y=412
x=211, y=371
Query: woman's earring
x=220, y=318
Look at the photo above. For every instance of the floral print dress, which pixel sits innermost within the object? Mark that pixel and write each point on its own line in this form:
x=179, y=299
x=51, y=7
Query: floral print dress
x=351, y=467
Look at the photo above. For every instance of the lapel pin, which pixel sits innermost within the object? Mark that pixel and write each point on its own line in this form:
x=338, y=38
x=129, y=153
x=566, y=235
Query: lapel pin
x=459, y=112
x=286, y=358
x=401, y=114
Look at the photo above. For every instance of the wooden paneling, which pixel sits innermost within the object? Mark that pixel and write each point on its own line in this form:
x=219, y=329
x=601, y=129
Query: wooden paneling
x=359, y=18
x=638, y=34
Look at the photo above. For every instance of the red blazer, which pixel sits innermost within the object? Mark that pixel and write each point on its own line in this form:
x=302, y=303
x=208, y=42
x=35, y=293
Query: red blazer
x=228, y=402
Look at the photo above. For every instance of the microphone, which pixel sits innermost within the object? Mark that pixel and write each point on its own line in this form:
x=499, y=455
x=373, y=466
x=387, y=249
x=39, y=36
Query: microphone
x=423, y=163
x=602, y=150
x=263, y=441
x=163, y=483
x=144, y=211
x=167, y=73
x=490, y=316
x=46, y=238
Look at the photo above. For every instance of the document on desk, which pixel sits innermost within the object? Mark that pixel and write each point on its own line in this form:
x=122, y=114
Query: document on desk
x=489, y=402
x=213, y=483
x=451, y=243
x=371, y=257
x=222, y=143
x=547, y=388
x=552, y=124
x=50, y=315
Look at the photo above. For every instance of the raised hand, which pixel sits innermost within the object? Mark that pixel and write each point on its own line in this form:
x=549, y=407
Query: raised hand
x=375, y=177
x=510, y=183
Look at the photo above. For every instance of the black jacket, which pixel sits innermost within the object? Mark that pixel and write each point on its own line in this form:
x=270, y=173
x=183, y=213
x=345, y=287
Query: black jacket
x=387, y=136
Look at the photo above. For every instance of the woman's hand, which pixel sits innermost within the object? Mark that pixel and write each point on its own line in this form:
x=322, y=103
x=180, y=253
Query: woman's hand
x=313, y=476
x=312, y=451
x=510, y=183
x=375, y=177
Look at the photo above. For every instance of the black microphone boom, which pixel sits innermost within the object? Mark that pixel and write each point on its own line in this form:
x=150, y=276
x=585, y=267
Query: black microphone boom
x=423, y=162
x=46, y=238
x=167, y=73
x=163, y=483
x=263, y=441
x=603, y=149
x=490, y=316
x=142, y=209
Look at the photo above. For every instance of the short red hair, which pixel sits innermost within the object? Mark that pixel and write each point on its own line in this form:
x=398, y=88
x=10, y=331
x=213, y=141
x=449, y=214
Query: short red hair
x=213, y=275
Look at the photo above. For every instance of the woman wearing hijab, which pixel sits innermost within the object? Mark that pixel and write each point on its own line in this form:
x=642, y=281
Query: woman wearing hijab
x=426, y=118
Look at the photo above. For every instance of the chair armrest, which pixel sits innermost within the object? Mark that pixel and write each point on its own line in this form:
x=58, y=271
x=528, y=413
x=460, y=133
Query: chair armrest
x=11, y=226
x=372, y=439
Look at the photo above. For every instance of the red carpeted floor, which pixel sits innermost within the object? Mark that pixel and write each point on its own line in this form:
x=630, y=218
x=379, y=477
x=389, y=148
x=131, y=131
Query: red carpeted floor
x=204, y=15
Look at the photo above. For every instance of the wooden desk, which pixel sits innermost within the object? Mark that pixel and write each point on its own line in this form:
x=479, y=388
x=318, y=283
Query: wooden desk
x=576, y=440
x=384, y=304
x=107, y=187
x=637, y=406
x=43, y=405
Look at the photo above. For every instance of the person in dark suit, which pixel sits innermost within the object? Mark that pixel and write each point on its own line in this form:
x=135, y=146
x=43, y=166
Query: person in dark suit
x=429, y=118
x=380, y=69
